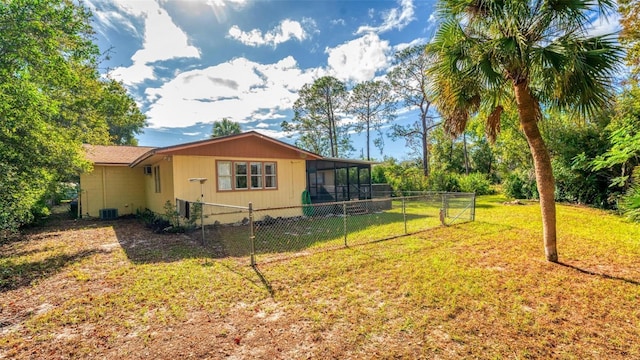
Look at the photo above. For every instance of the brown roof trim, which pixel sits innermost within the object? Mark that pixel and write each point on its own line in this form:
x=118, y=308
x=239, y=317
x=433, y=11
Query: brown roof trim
x=143, y=157
x=168, y=150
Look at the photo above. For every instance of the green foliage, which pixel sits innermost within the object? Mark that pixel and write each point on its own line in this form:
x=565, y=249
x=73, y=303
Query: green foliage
x=577, y=185
x=171, y=214
x=52, y=99
x=439, y=180
x=317, y=121
x=483, y=158
x=475, y=182
x=378, y=174
x=520, y=185
x=146, y=216
x=225, y=127
x=195, y=213
x=404, y=177
x=121, y=113
x=447, y=153
x=573, y=142
x=630, y=34
x=629, y=204
x=623, y=153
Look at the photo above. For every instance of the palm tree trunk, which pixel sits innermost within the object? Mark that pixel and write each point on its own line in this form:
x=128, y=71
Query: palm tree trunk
x=528, y=111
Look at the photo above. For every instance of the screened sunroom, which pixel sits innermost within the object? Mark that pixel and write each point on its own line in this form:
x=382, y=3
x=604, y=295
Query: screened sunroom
x=330, y=180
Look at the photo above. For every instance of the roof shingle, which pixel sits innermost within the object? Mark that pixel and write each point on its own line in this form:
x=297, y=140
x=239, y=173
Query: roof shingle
x=114, y=154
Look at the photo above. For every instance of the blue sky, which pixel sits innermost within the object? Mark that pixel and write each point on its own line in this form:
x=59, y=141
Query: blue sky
x=191, y=62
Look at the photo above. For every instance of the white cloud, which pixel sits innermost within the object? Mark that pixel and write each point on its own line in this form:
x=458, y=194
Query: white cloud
x=262, y=125
x=109, y=20
x=222, y=3
x=605, y=25
x=285, y=31
x=359, y=59
x=414, y=42
x=393, y=19
x=240, y=89
x=162, y=39
x=276, y=134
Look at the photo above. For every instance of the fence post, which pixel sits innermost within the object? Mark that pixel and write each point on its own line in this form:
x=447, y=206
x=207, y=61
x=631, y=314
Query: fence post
x=443, y=213
x=473, y=208
x=404, y=215
x=344, y=222
x=252, y=236
x=202, y=221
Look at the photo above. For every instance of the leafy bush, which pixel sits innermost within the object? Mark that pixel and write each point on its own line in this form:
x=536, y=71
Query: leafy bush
x=520, y=185
x=158, y=224
x=443, y=181
x=575, y=184
x=475, y=182
x=404, y=178
x=630, y=202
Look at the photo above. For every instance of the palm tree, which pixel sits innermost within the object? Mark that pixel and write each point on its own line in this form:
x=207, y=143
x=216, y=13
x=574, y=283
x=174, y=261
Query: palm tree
x=225, y=127
x=495, y=54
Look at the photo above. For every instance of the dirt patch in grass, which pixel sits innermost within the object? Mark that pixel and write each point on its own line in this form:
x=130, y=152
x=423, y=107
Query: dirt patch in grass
x=113, y=290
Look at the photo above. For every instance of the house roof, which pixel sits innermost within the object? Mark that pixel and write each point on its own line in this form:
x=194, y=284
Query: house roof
x=114, y=154
x=231, y=145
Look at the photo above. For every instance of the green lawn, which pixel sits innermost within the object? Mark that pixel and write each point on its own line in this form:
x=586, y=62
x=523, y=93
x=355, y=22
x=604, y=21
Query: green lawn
x=288, y=236
x=475, y=290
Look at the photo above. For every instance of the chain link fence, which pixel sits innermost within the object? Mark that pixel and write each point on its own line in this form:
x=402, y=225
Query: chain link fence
x=269, y=234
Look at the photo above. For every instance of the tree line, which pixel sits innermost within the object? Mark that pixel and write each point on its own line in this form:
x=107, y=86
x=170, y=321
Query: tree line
x=52, y=100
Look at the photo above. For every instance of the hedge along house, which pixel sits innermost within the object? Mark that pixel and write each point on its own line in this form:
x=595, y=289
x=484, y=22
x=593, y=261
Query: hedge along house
x=239, y=169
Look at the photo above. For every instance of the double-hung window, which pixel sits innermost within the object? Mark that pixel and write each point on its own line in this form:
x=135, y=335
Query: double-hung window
x=270, y=175
x=241, y=175
x=246, y=175
x=224, y=175
x=256, y=175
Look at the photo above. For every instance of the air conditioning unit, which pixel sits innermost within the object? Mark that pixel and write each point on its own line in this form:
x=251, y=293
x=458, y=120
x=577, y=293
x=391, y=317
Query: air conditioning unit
x=108, y=214
x=147, y=169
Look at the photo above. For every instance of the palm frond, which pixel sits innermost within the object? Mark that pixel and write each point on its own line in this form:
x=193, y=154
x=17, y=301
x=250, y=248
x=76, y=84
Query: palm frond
x=583, y=72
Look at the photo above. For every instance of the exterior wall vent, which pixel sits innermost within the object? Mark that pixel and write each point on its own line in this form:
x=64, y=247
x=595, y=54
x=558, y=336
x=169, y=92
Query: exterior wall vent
x=147, y=169
x=108, y=214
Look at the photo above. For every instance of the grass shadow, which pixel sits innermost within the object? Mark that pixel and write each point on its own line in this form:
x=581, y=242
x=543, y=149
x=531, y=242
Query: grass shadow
x=142, y=245
x=264, y=281
x=16, y=275
x=601, y=275
x=484, y=206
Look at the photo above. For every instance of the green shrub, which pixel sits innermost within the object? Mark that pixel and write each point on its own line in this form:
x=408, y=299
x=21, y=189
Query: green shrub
x=630, y=202
x=575, y=184
x=520, y=185
x=442, y=181
x=475, y=182
x=404, y=180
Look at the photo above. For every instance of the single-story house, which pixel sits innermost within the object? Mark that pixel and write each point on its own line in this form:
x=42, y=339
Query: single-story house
x=234, y=170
